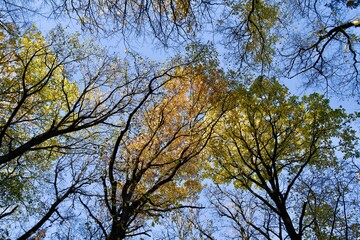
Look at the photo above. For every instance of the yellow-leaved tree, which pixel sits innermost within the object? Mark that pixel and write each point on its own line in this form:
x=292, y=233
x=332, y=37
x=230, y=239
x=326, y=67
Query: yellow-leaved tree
x=266, y=146
x=34, y=97
x=153, y=162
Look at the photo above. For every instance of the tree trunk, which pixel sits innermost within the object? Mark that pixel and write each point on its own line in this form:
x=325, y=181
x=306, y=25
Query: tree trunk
x=289, y=224
x=118, y=231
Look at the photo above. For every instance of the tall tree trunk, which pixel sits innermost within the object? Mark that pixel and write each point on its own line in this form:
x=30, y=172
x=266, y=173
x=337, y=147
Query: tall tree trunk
x=118, y=231
x=288, y=223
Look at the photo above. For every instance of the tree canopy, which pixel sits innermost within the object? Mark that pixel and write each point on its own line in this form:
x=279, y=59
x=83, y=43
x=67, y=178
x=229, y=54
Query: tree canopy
x=199, y=140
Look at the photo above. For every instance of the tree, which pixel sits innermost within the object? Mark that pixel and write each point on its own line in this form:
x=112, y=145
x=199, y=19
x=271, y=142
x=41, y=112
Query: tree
x=34, y=96
x=275, y=150
x=326, y=53
x=37, y=91
x=152, y=165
